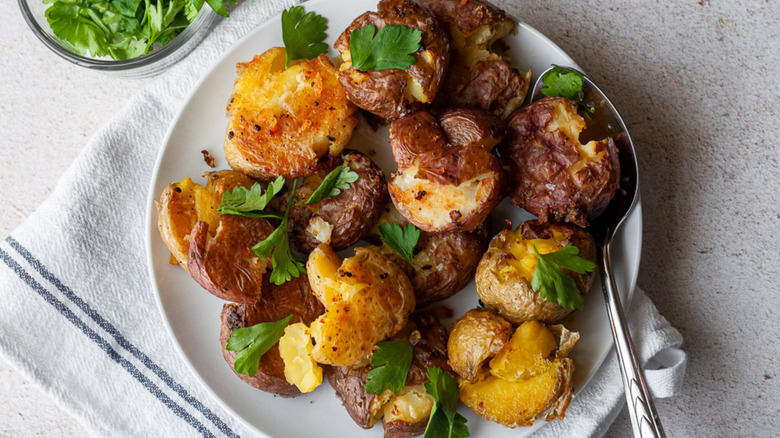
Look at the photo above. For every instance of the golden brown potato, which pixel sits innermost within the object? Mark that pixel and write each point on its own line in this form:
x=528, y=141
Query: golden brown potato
x=529, y=377
x=185, y=203
x=281, y=121
x=447, y=178
x=345, y=218
x=478, y=77
x=224, y=264
x=393, y=93
x=278, y=301
x=406, y=413
x=556, y=177
x=476, y=337
x=367, y=299
x=504, y=274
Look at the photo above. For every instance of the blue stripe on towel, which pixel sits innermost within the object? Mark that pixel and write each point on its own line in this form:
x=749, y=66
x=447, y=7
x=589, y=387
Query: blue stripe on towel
x=108, y=327
x=104, y=345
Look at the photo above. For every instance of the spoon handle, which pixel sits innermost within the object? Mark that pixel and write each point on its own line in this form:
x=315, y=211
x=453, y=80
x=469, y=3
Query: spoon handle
x=644, y=417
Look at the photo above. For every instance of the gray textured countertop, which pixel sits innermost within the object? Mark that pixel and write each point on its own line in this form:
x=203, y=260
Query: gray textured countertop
x=698, y=84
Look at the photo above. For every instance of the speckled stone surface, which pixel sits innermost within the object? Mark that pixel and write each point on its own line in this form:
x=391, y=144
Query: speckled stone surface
x=698, y=83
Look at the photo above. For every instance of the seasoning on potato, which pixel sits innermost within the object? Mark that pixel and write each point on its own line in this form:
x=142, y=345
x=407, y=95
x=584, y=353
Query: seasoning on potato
x=556, y=177
x=529, y=377
x=505, y=273
x=448, y=178
x=282, y=121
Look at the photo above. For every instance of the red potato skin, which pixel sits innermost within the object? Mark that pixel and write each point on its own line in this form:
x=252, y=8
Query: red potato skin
x=225, y=264
x=449, y=150
x=487, y=85
x=353, y=212
x=540, y=163
x=293, y=297
x=467, y=15
x=430, y=350
x=381, y=92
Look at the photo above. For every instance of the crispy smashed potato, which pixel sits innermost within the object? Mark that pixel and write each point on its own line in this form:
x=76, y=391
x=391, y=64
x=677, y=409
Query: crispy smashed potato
x=442, y=264
x=283, y=120
x=447, y=178
x=344, y=219
x=405, y=413
x=185, y=203
x=224, y=264
x=393, y=93
x=476, y=337
x=530, y=377
x=556, y=177
x=278, y=301
x=478, y=76
x=367, y=299
x=504, y=274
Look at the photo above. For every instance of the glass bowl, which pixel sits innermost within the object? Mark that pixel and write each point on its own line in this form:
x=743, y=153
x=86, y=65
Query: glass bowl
x=154, y=62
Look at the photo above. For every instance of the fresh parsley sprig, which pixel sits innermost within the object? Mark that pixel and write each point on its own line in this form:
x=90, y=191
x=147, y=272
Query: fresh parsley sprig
x=565, y=82
x=338, y=179
x=303, y=34
x=402, y=240
x=391, y=47
x=251, y=202
x=284, y=264
x=445, y=421
x=392, y=361
x=253, y=342
x=555, y=285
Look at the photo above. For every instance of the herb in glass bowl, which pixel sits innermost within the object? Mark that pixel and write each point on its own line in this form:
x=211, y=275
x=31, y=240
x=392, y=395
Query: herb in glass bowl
x=123, y=29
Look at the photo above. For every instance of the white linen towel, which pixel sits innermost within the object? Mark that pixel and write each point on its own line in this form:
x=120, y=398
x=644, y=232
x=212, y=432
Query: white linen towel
x=78, y=316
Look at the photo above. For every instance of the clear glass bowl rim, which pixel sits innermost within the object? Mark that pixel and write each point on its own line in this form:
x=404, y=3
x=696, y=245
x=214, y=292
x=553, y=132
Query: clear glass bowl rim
x=206, y=15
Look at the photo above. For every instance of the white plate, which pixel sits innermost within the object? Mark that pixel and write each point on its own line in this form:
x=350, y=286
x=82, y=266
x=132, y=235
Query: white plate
x=192, y=314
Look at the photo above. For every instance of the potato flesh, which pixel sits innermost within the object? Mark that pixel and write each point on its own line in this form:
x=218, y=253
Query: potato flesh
x=434, y=209
x=185, y=203
x=411, y=405
x=300, y=369
x=523, y=263
x=320, y=229
x=523, y=381
x=475, y=47
x=367, y=298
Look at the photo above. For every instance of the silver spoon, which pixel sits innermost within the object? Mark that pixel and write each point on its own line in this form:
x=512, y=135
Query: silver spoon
x=606, y=122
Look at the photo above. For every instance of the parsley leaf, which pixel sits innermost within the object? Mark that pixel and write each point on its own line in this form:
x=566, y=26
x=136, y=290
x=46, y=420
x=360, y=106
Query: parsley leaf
x=555, y=285
x=79, y=31
x=285, y=265
x=250, y=202
x=445, y=421
x=303, y=34
x=402, y=240
x=392, y=360
x=565, y=82
x=339, y=178
x=391, y=47
x=253, y=342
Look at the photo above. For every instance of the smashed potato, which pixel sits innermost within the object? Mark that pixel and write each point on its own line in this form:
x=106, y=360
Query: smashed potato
x=344, y=219
x=529, y=378
x=477, y=336
x=405, y=413
x=367, y=299
x=504, y=274
x=556, y=177
x=282, y=121
x=393, y=93
x=185, y=203
x=478, y=76
x=278, y=301
x=447, y=178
